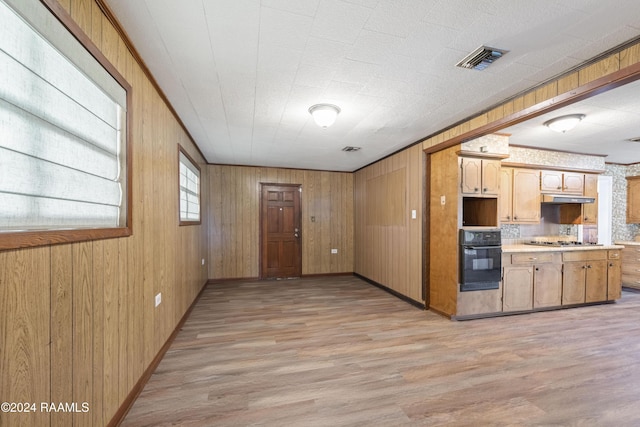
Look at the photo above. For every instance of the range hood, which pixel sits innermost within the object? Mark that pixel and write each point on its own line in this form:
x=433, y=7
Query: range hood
x=566, y=198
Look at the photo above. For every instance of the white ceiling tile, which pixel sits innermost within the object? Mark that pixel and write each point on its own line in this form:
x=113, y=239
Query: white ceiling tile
x=300, y=7
x=284, y=28
x=399, y=17
x=339, y=21
x=241, y=74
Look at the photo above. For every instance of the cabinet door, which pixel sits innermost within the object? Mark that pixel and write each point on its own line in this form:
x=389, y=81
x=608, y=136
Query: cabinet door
x=633, y=199
x=596, y=281
x=547, y=285
x=506, y=195
x=573, y=279
x=614, y=280
x=526, y=196
x=551, y=181
x=491, y=177
x=471, y=175
x=517, y=288
x=573, y=183
x=590, y=210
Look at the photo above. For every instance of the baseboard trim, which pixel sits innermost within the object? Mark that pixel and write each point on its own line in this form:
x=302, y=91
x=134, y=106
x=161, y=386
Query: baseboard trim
x=126, y=406
x=346, y=273
x=231, y=279
x=397, y=294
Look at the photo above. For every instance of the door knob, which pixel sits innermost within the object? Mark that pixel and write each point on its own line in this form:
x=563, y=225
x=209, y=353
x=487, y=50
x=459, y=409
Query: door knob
x=296, y=235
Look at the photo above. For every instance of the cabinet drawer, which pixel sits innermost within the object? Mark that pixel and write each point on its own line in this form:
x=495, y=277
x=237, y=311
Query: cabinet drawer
x=615, y=254
x=533, y=258
x=584, y=255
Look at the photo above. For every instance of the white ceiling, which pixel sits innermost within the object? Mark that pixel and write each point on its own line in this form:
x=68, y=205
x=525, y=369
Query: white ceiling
x=611, y=119
x=241, y=74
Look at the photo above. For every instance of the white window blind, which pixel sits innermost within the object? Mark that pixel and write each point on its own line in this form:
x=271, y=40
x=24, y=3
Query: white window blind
x=189, y=190
x=62, y=122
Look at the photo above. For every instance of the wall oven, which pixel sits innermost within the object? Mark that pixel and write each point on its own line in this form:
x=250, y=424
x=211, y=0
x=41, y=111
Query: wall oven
x=480, y=259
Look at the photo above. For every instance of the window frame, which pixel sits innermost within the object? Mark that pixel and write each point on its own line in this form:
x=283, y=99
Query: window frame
x=182, y=222
x=25, y=239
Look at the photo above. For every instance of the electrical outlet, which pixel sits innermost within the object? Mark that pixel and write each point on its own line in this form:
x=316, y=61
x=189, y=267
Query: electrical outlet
x=202, y=261
x=443, y=200
x=334, y=251
x=414, y=214
x=158, y=299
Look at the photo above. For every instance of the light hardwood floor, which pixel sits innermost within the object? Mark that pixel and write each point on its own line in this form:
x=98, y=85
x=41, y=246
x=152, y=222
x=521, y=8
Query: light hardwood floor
x=340, y=352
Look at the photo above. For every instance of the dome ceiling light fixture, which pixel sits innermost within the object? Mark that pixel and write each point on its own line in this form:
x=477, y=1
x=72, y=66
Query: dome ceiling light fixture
x=324, y=114
x=563, y=124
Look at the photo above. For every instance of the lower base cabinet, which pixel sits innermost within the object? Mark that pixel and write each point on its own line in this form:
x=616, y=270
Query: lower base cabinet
x=517, y=289
x=547, y=285
x=540, y=280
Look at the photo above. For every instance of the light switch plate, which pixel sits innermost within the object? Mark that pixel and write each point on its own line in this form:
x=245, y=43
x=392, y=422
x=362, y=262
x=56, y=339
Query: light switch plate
x=334, y=251
x=158, y=299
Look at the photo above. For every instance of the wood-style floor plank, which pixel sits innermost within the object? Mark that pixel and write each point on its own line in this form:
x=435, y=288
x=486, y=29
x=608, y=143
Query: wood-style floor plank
x=340, y=352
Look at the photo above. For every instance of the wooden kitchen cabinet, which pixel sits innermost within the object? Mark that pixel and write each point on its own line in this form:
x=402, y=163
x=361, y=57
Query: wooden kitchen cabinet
x=559, y=182
x=526, y=196
x=590, y=210
x=630, y=268
x=633, y=199
x=517, y=288
x=532, y=280
x=614, y=275
x=505, y=206
x=547, y=285
x=480, y=176
x=584, y=277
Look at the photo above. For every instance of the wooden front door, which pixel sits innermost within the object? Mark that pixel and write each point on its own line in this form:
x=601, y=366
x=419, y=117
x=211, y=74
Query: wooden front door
x=280, y=231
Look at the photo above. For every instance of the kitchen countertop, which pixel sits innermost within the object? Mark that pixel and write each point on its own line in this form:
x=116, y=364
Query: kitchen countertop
x=628, y=243
x=534, y=248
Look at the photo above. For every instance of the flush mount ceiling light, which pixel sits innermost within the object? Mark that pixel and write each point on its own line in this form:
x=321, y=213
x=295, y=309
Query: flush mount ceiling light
x=324, y=114
x=563, y=124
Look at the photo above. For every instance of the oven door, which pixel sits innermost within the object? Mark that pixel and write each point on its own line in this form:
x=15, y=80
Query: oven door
x=480, y=267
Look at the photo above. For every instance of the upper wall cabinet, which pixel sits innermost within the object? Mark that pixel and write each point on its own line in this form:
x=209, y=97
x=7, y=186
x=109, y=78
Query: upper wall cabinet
x=633, y=199
x=480, y=176
x=561, y=182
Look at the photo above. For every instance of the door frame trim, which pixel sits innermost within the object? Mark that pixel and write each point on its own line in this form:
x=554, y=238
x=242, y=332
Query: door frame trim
x=261, y=274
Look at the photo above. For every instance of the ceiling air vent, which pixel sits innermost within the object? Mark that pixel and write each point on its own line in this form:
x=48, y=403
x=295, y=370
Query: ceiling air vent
x=481, y=58
x=349, y=149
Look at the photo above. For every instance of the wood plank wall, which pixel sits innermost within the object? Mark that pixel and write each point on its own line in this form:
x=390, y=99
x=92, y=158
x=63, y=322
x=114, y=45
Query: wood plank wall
x=77, y=321
x=388, y=242
x=234, y=193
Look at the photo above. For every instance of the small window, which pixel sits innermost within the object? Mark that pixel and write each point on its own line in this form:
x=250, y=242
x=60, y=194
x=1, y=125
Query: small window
x=189, y=189
x=63, y=129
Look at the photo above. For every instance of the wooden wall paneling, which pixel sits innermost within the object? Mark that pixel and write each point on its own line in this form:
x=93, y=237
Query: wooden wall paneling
x=599, y=69
x=111, y=350
x=630, y=56
x=251, y=244
x=124, y=381
x=568, y=82
x=25, y=352
x=62, y=331
x=123, y=300
x=146, y=162
x=546, y=92
x=215, y=222
x=99, y=416
x=443, y=231
x=81, y=12
x=82, y=330
x=136, y=305
x=66, y=4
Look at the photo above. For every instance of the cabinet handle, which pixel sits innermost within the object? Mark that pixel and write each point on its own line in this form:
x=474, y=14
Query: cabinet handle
x=515, y=217
x=475, y=189
x=484, y=189
x=588, y=266
x=537, y=269
x=584, y=266
x=559, y=188
x=586, y=218
x=611, y=265
x=533, y=258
